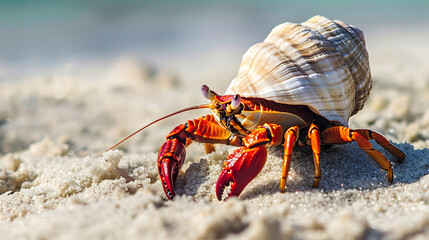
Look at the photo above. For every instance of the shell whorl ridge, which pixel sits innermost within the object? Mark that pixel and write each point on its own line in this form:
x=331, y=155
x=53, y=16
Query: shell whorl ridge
x=319, y=63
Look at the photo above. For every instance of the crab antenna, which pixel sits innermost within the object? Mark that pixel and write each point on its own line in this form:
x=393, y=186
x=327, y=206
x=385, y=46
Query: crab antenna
x=159, y=119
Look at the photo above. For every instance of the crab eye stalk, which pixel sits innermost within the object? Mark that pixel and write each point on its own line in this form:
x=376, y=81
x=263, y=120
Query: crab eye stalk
x=207, y=93
x=236, y=101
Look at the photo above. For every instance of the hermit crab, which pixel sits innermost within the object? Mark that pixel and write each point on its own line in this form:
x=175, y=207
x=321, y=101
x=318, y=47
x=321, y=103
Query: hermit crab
x=299, y=86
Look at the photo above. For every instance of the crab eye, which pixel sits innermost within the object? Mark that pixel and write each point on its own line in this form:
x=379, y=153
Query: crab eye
x=236, y=101
x=207, y=93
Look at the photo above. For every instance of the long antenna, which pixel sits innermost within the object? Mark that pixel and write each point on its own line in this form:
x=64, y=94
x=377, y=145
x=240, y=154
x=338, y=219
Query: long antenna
x=159, y=119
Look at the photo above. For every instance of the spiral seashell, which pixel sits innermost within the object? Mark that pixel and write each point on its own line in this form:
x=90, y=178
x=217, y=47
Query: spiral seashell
x=319, y=63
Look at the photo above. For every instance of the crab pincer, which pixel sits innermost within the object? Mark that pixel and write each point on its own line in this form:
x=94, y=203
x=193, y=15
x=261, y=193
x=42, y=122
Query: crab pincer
x=242, y=166
x=170, y=159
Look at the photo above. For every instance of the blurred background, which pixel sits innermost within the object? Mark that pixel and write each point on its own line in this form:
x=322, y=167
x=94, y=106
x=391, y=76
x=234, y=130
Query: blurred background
x=43, y=34
x=82, y=68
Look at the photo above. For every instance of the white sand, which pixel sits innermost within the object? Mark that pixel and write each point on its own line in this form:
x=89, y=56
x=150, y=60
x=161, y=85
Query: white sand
x=56, y=183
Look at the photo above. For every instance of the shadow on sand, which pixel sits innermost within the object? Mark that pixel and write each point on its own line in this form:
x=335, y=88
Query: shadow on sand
x=347, y=167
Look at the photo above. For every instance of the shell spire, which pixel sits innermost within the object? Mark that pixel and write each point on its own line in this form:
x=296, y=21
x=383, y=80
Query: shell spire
x=319, y=63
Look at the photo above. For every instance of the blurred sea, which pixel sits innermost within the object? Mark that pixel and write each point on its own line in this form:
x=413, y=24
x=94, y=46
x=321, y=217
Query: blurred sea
x=37, y=36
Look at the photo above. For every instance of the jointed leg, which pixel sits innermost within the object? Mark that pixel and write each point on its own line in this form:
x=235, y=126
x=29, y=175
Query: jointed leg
x=209, y=147
x=291, y=135
x=382, y=141
x=314, y=136
x=342, y=135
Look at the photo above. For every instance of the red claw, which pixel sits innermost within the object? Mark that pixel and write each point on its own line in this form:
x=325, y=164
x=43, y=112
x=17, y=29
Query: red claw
x=167, y=171
x=242, y=166
x=170, y=160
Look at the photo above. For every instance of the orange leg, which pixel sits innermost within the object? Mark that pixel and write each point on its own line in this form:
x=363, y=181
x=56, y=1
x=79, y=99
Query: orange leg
x=382, y=141
x=313, y=135
x=341, y=134
x=291, y=135
x=209, y=147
